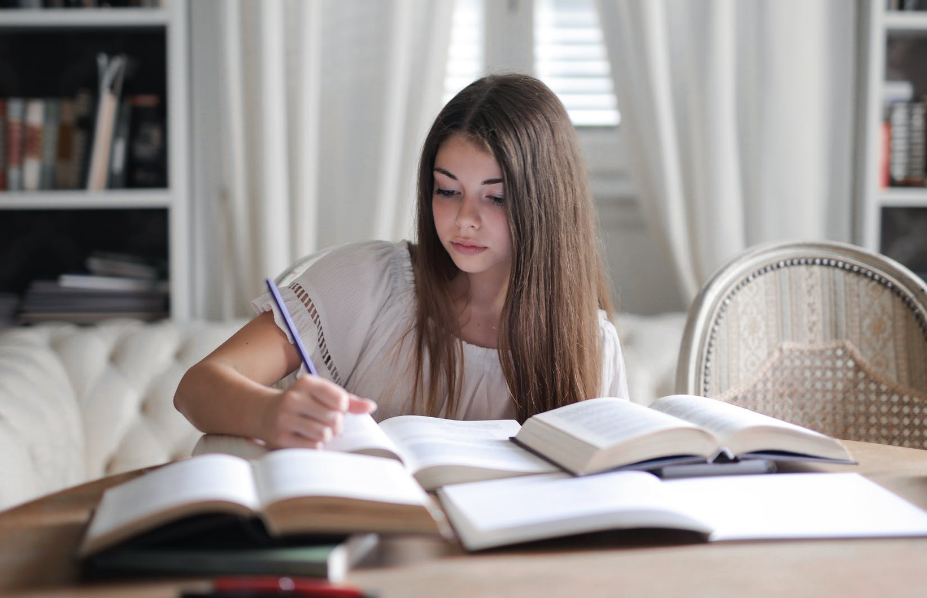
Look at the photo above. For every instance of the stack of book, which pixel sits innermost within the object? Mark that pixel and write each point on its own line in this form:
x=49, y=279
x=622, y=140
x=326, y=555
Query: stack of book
x=904, y=162
x=98, y=139
x=114, y=286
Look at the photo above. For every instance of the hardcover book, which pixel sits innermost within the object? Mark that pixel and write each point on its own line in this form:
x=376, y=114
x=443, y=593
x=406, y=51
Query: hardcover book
x=15, y=133
x=322, y=556
x=33, y=130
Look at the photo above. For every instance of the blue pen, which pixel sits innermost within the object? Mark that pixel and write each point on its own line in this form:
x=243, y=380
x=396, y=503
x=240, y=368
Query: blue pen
x=291, y=327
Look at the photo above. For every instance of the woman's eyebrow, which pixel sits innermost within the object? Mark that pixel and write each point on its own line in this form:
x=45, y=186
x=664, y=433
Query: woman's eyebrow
x=449, y=175
x=444, y=172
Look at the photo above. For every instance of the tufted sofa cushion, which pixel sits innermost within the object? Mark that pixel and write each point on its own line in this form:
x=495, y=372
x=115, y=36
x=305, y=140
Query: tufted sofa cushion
x=80, y=402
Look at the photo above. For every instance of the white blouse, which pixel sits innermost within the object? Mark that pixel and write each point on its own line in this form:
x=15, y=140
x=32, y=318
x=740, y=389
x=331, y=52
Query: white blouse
x=352, y=309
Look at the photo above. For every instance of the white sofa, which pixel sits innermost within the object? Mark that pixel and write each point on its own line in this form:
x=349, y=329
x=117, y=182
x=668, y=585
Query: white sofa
x=80, y=402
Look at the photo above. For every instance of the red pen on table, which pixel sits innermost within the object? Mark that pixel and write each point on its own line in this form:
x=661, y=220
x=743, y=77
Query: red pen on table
x=297, y=587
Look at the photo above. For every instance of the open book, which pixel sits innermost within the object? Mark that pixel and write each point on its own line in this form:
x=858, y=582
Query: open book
x=435, y=451
x=762, y=507
x=601, y=434
x=292, y=491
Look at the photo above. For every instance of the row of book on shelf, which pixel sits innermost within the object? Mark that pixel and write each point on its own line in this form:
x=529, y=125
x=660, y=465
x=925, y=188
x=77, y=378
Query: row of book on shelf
x=904, y=136
x=112, y=285
x=580, y=468
x=95, y=140
x=39, y=4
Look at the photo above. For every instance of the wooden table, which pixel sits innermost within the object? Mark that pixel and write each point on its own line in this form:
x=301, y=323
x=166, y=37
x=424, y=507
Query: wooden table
x=38, y=539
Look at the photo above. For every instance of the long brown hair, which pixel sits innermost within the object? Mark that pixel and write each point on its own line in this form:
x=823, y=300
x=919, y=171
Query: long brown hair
x=549, y=339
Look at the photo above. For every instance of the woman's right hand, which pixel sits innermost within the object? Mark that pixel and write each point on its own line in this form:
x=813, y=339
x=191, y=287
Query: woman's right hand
x=309, y=413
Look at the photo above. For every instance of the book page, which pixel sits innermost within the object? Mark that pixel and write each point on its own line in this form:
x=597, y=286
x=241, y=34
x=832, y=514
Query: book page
x=499, y=512
x=207, y=478
x=723, y=419
x=803, y=505
x=605, y=421
x=361, y=433
x=429, y=441
x=293, y=473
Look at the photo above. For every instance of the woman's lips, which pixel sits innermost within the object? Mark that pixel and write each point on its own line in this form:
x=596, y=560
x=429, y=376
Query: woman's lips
x=467, y=248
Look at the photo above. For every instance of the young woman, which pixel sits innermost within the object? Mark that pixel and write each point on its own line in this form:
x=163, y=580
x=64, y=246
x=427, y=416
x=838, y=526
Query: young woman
x=500, y=310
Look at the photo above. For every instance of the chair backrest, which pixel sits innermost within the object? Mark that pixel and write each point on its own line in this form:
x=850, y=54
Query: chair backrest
x=826, y=335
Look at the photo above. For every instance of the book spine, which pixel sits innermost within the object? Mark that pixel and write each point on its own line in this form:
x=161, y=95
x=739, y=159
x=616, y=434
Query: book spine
x=147, y=165
x=32, y=147
x=111, y=72
x=83, y=137
x=64, y=158
x=898, y=162
x=3, y=144
x=16, y=112
x=119, y=151
x=885, y=179
x=917, y=146
x=102, y=136
x=50, y=143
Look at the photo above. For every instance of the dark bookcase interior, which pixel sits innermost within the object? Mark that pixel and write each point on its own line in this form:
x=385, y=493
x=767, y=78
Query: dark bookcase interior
x=52, y=62
x=905, y=59
x=904, y=237
x=43, y=244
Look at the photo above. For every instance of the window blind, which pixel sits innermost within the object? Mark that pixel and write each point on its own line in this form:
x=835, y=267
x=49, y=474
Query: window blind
x=569, y=55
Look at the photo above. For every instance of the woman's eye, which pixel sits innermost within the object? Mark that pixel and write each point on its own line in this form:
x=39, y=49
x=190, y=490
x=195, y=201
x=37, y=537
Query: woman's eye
x=445, y=192
x=497, y=200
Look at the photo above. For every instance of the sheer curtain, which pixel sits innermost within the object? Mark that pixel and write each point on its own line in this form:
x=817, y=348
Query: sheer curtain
x=308, y=119
x=739, y=117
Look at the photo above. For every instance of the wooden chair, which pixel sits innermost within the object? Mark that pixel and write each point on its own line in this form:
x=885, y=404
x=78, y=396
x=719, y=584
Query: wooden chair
x=826, y=335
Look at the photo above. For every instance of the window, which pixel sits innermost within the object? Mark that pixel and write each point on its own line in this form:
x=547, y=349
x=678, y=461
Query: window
x=568, y=53
x=465, y=53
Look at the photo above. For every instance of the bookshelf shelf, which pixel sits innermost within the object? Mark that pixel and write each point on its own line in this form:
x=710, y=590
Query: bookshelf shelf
x=892, y=220
x=52, y=53
x=903, y=197
x=897, y=22
x=125, y=199
x=98, y=18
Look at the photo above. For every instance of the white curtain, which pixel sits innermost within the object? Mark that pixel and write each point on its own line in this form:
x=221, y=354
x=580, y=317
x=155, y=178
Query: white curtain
x=308, y=119
x=739, y=116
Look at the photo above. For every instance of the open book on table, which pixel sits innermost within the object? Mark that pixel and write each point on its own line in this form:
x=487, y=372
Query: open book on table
x=290, y=492
x=435, y=451
x=605, y=433
x=759, y=507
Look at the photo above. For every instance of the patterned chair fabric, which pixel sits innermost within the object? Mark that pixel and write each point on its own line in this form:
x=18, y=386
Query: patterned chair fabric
x=824, y=335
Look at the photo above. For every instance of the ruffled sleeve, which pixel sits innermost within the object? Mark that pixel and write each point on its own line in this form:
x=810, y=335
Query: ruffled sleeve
x=614, y=377
x=335, y=301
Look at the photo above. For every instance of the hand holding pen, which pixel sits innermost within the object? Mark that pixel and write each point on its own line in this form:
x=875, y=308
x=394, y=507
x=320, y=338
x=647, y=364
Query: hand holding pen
x=311, y=411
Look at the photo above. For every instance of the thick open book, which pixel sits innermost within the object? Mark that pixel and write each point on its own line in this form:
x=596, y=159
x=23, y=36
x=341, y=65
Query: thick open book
x=761, y=507
x=292, y=491
x=435, y=451
x=601, y=434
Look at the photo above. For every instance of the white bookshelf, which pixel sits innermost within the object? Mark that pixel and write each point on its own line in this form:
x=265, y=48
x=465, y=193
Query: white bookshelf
x=881, y=27
x=171, y=19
